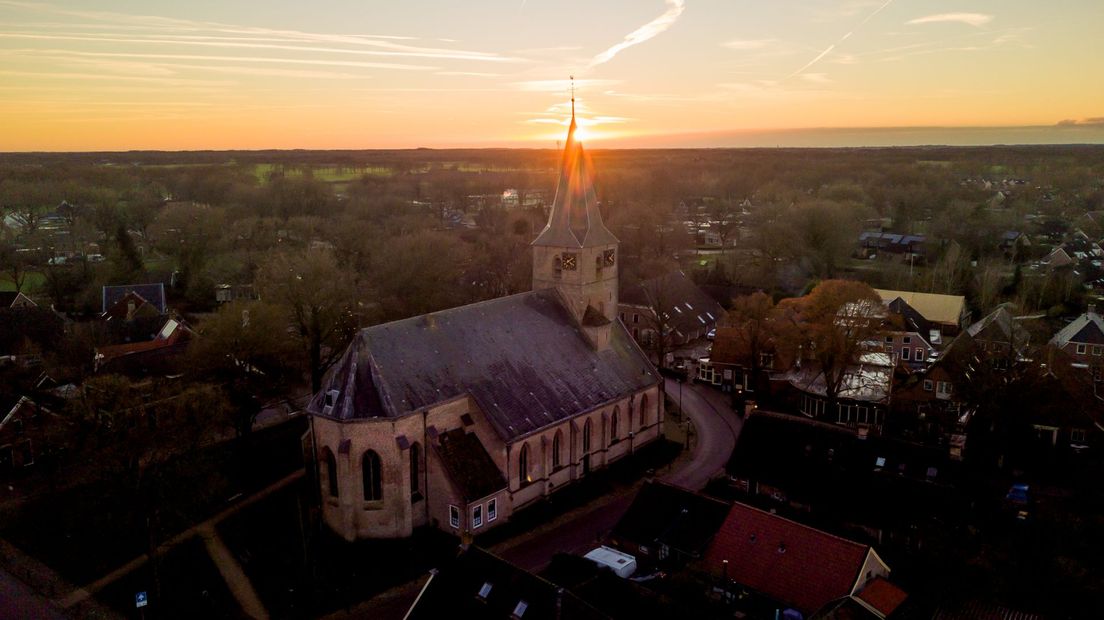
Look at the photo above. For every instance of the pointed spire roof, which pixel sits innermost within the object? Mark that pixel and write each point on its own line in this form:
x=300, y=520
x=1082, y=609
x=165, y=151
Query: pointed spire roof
x=575, y=220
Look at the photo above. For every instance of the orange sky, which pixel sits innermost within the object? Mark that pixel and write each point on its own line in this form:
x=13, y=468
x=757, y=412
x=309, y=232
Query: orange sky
x=206, y=74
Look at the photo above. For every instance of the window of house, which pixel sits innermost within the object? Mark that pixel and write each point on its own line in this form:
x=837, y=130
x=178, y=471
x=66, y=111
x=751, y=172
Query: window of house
x=636, y=318
x=477, y=516
x=889, y=339
x=524, y=477
x=928, y=385
x=331, y=398
x=944, y=387
x=844, y=414
x=1080, y=349
x=519, y=609
x=615, y=423
x=372, y=477
x=1098, y=350
x=492, y=510
x=907, y=339
x=1077, y=435
x=919, y=354
x=863, y=415
x=454, y=520
x=905, y=354
x=889, y=348
x=485, y=590
x=766, y=360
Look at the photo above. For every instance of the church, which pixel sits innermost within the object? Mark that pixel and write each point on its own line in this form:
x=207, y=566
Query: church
x=456, y=419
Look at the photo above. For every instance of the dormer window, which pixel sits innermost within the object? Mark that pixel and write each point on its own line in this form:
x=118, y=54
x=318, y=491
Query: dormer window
x=519, y=609
x=330, y=400
x=485, y=590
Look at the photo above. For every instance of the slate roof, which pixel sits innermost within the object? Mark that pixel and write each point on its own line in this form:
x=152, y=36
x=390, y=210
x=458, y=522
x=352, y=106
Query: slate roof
x=468, y=464
x=522, y=358
x=1087, y=328
x=665, y=514
x=688, y=307
x=152, y=293
x=913, y=320
x=454, y=592
x=785, y=560
x=575, y=220
x=936, y=308
x=1001, y=327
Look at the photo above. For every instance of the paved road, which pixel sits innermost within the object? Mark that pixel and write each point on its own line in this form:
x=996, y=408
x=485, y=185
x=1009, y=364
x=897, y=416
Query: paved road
x=717, y=428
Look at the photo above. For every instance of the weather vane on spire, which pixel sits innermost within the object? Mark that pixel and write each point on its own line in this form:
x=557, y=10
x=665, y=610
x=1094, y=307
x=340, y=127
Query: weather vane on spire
x=572, y=96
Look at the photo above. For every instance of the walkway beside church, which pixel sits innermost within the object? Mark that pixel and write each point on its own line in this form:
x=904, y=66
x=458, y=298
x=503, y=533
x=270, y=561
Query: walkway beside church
x=716, y=430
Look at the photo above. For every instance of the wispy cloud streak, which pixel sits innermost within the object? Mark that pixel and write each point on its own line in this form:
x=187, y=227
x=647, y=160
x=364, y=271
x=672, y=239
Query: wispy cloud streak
x=645, y=32
x=970, y=19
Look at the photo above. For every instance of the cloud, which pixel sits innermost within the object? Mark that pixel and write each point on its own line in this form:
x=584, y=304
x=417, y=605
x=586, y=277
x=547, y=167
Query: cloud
x=645, y=32
x=1096, y=121
x=971, y=19
x=747, y=44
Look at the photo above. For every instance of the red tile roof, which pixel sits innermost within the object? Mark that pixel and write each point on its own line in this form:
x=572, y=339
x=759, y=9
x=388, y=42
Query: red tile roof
x=883, y=596
x=785, y=560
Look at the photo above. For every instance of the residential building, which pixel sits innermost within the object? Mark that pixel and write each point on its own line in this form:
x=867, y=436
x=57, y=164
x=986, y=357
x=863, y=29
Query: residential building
x=1083, y=340
x=671, y=303
x=668, y=525
x=946, y=312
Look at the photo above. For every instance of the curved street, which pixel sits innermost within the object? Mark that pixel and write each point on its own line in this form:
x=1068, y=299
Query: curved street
x=716, y=428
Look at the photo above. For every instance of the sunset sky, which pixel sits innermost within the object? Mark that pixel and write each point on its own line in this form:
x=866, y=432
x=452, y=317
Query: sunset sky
x=212, y=74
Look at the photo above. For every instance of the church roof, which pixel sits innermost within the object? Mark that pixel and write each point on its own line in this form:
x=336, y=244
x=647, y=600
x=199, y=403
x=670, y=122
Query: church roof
x=575, y=220
x=469, y=465
x=522, y=358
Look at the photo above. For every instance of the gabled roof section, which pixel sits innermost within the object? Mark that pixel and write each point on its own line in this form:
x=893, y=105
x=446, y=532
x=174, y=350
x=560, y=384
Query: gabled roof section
x=1087, y=328
x=785, y=560
x=670, y=515
x=477, y=584
x=575, y=220
x=151, y=293
x=468, y=464
x=937, y=308
x=688, y=308
x=523, y=359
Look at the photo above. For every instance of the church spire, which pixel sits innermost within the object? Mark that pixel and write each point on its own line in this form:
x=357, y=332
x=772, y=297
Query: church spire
x=575, y=220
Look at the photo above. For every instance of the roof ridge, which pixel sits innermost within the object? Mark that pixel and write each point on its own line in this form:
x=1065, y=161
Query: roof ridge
x=802, y=525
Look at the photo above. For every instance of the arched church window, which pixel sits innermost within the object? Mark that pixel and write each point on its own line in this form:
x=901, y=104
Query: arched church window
x=415, y=468
x=524, y=477
x=330, y=463
x=615, y=423
x=586, y=437
x=557, y=444
x=643, y=410
x=372, y=476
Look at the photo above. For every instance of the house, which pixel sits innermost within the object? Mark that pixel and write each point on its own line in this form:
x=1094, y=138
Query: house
x=909, y=247
x=667, y=524
x=731, y=366
x=13, y=299
x=159, y=356
x=862, y=399
x=613, y=596
x=1000, y=336
x=118, y=300
x=795, y=565
x=947, y=312
x=927, y=405
x=477, y=584
x=671, y=302
x=25, y=433
x=456, y=419
x=225, y=293
x=1083, y=339
x=878, y=600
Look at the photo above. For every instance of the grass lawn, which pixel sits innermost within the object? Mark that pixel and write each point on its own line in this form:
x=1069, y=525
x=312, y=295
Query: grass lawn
x=35, y=280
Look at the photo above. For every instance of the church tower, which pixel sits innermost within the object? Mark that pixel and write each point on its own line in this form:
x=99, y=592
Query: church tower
x=575, y=252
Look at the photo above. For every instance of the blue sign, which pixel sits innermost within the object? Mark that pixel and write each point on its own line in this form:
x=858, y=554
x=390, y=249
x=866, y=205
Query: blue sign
x=140, y=599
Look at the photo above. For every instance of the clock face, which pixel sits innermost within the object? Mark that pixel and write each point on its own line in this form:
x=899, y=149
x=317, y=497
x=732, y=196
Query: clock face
x=609, y=257
x=570, y=261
